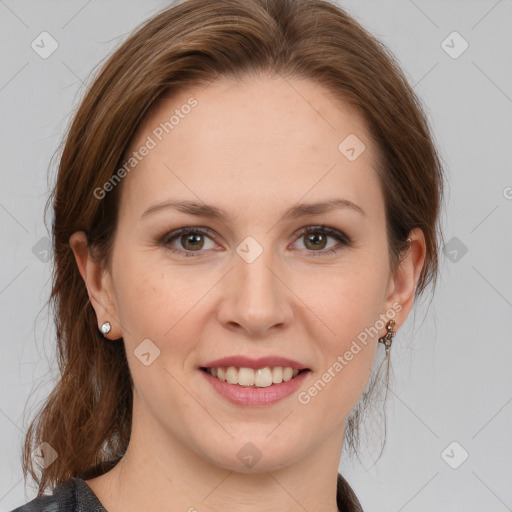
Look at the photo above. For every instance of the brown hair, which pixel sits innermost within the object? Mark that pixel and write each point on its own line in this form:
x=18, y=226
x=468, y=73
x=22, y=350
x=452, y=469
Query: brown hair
x=87, y=417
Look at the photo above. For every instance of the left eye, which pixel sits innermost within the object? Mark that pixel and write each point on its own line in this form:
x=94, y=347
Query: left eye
x=193, y=239
x=316, y=237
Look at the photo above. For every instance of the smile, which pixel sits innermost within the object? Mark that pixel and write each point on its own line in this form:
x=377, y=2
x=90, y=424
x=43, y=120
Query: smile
x=249, y=377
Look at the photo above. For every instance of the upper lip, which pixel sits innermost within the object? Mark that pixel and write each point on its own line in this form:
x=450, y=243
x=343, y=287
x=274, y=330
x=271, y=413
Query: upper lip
x=261, y=362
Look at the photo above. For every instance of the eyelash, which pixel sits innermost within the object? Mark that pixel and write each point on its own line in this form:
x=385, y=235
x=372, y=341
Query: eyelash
x=324, y=230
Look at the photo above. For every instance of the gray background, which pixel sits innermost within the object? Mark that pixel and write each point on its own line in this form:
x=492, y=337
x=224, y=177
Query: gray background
x=452, y=378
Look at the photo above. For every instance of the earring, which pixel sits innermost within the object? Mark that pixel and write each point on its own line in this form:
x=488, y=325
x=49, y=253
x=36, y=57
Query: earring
x=105, y=328
x=387, y=339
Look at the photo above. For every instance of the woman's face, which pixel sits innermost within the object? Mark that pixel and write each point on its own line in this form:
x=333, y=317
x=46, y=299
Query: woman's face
x=251, y=283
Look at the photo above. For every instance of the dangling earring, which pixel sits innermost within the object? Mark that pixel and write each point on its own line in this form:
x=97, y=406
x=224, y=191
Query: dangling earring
x=387, y=339
x=105, y=329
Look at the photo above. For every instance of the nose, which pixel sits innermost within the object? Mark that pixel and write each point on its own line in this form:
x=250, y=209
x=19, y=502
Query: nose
x=255, y=296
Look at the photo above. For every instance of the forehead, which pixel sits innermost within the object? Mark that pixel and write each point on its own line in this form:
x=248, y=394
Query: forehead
x=263, y=139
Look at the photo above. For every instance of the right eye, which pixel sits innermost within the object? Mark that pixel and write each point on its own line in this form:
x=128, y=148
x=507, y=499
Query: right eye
x=191, y=239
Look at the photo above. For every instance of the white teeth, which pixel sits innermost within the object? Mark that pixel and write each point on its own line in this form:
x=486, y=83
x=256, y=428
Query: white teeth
x=277, y=375
x=260, y=378
x=288, y=373
x=231, y=375
x=263, y=378
x=245, y=376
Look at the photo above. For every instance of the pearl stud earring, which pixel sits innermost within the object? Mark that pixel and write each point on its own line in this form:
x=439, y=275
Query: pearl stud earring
x=105, y=328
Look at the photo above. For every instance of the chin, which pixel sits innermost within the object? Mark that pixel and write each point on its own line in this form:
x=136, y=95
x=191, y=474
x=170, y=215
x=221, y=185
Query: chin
x=253, y=454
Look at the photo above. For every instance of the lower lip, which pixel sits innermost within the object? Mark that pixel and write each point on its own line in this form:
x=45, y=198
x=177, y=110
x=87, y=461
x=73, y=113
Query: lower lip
x=240, y=395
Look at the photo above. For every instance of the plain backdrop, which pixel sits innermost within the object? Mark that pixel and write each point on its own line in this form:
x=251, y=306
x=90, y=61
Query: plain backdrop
x=449, y=415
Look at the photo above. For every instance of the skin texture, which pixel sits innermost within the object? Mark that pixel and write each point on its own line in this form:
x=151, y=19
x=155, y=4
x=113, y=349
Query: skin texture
x=254, y=149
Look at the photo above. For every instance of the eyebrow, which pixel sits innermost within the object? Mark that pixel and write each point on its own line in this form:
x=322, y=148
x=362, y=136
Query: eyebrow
x=295, y=212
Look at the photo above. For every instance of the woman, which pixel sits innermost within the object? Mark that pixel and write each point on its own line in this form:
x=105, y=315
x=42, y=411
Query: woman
x=247, y=203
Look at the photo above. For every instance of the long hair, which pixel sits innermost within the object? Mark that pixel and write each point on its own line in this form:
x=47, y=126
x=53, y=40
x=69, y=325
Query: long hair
x=87, y=417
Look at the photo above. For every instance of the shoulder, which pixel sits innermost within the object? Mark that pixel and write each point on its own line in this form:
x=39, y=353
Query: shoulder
x=63, y=499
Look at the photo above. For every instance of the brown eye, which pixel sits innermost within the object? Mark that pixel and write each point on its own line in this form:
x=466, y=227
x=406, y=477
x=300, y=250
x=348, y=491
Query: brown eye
x=188, y=241
x=192, y=242
x=315, y=241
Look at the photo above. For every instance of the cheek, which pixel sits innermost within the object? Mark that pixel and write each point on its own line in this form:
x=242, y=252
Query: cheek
x=348, y=347
x=161, y=302
x=348, y=304
x=157, y=306
x=146, y=301
x=141, y=299
x=347, y=299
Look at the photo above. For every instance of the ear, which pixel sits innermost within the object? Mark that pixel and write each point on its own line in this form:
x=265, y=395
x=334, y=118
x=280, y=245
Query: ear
x=98, y=283
x=402, y=284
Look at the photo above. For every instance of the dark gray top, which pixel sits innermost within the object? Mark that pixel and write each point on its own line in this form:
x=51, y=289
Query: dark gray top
x=74, y=495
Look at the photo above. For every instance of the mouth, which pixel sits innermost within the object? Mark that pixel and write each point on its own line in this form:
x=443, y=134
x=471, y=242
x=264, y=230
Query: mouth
x=251, y=378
